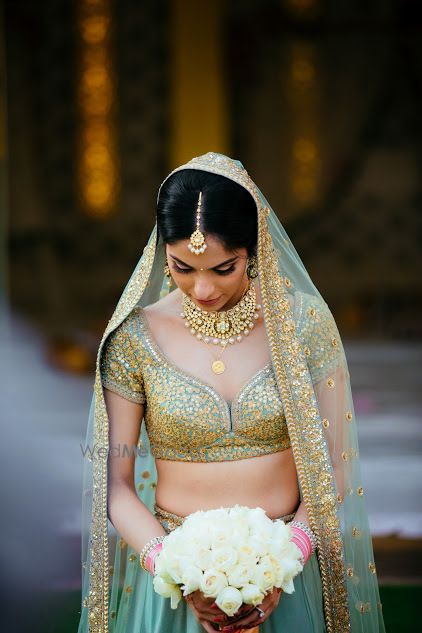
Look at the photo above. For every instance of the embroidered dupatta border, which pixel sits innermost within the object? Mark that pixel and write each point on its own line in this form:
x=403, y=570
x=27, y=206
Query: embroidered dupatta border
x=98, y=595
x=313, y=464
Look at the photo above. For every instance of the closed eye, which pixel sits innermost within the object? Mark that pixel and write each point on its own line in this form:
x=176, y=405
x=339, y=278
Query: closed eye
x=220, y=271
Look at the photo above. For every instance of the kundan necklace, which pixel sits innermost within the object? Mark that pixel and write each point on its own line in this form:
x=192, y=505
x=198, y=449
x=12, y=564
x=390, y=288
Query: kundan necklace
x=224, y=327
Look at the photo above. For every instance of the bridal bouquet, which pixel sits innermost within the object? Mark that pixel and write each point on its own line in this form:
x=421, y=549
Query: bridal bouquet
x=235, y=555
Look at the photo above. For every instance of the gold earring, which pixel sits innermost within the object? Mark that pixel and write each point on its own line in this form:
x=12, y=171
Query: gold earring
x=252, y=267
x=169, y=280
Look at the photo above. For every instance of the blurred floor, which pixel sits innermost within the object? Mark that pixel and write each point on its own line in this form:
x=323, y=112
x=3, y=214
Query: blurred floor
x=44, y=413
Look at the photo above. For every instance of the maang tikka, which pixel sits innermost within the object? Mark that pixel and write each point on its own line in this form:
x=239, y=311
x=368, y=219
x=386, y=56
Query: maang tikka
x=197, y=239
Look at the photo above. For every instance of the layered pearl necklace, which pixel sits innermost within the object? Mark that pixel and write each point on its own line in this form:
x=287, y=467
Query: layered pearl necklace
x=224, y=327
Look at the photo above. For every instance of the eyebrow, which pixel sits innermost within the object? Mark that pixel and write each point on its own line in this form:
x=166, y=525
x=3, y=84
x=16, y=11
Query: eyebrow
x=228, y=261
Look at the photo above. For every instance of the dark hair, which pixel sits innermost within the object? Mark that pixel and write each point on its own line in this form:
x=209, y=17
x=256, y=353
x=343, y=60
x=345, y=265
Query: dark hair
x=228, y=210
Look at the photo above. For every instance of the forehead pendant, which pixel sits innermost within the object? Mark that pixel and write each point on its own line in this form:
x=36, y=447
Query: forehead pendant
x=197, y=239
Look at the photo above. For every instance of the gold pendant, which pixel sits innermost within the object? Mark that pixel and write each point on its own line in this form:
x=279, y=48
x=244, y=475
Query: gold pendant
x=218, y=367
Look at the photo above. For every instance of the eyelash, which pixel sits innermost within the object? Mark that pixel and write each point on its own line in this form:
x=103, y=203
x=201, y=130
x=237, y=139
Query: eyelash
x=227, y=271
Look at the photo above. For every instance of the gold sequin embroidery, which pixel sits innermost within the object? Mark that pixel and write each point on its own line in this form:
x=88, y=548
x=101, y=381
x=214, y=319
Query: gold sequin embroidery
x=119, y=367
x=318, y=334
x=186, y=419
x=356, y=533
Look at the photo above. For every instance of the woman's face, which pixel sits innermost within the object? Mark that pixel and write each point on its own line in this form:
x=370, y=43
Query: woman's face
x=215, y=279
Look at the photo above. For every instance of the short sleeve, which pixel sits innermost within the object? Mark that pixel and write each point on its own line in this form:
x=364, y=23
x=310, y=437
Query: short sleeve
x=319, y=335
x=121, y=367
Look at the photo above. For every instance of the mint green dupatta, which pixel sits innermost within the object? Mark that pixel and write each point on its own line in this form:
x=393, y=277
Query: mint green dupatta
x=314, y=385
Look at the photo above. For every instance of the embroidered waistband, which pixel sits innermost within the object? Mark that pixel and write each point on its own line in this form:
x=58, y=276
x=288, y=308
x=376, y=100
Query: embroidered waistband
x=171, y=521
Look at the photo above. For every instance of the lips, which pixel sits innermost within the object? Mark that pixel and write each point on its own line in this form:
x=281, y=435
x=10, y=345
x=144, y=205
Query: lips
x=208, y=303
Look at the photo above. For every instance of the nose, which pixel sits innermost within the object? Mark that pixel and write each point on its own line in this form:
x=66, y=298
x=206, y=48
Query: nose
x=203, y=289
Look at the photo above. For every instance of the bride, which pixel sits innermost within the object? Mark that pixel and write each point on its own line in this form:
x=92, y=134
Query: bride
x=223, y=368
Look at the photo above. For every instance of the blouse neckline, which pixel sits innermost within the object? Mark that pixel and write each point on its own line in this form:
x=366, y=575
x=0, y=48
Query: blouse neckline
x=199, y=381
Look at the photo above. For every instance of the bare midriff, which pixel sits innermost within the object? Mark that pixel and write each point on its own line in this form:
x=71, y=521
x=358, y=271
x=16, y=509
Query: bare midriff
x=267, y=481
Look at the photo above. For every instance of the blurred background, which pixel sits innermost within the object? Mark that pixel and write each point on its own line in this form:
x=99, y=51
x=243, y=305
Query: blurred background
x=99, y=100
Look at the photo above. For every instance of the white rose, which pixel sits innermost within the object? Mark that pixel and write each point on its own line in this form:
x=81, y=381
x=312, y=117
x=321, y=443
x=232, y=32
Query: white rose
x=229, y=600
x=240, y=530
x=251, y=594
x=191, y=579
x=222, y=534
x=161, y=562
x=197, y=531
x=281, y=531
x=247, y=555
x=291, y=550
x=259, y=544
x=167, y=590
x=281, y=545
x=173, y=540
x=223, y=558
x=202, y=556
x=289, y=568
x=260, y=524
x=240, y=521
x=175, y=566
x=264, y=575
x=212, y=582
x=239, y=575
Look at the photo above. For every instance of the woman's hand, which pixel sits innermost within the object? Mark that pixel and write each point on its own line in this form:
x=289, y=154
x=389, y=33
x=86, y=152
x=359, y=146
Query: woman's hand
x=207, y=614
x=252, y=619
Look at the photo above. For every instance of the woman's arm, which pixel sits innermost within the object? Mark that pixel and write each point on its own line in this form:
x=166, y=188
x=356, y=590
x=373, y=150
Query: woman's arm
x=302, y=514
x=131, y=518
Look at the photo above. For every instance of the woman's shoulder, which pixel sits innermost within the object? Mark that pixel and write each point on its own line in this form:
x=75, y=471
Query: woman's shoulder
x=121, y=360
x=130, y=335
x=164, y=313
x=130, y=327
x=143, y=323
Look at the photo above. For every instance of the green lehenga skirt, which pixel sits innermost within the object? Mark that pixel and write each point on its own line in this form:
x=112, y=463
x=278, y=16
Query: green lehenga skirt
x=142, y=610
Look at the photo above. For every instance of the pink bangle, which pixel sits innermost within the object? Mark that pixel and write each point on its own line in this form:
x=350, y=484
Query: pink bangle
x=150, y=561
x=303, y=542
